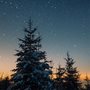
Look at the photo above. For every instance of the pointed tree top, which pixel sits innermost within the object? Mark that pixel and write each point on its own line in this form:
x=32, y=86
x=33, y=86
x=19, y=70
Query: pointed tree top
x=30, y=24
x=86, y=77
x=68, y=55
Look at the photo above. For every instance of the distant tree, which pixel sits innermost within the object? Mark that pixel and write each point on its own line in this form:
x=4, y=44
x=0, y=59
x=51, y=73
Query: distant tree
x=72, y=75
x=32, y=69
x=87, y=85
x=4, y=83
x=59, y=81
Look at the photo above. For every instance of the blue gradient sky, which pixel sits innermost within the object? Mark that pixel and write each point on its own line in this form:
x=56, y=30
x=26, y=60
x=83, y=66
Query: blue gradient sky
x=63, y=24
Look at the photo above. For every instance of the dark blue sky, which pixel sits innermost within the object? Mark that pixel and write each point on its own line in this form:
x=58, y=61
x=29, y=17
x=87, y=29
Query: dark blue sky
x=63, y=24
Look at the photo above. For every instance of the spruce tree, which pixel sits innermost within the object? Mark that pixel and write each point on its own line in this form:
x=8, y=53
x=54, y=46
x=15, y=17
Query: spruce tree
x=72, y=75
x=87, y=85
x=59, y=81
x=32, y=69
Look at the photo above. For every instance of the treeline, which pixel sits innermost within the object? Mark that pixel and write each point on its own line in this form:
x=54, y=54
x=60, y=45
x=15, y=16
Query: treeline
x=34, y=72
x=58, y=82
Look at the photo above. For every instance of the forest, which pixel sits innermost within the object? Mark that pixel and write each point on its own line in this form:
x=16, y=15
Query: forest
x=35, y=72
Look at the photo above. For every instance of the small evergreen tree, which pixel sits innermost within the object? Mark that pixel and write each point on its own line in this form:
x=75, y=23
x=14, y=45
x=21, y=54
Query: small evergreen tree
x=32, y=69
x=59, y=83
x=72, y=76
x=4, y=83
x=87, y=85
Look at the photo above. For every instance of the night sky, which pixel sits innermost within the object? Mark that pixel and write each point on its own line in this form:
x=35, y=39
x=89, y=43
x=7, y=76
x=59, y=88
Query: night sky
x=63, y=24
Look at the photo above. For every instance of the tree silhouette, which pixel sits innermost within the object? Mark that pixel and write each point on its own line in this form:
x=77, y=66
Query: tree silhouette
x=4, y=83
x=32, y=69
x=87, y=85
x=59, y=81
x=72, y=76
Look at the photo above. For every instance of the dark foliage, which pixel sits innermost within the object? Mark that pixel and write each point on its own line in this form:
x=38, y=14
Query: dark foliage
x=59, y=81
x=4, y=83
x=32, y=69
x=87, y=85
x=72, y=81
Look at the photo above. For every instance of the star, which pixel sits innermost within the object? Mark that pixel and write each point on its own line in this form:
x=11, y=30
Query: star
x=6, y=2
x=83, y=34
x=4, y=13
x=1, y=1
x=10, y=3
x=49, y=2
x=75, y=45
x=25, y=21
x=55, y=34
x=16, y=7
x=17, y=16
x=3, y=34
x=53, y=6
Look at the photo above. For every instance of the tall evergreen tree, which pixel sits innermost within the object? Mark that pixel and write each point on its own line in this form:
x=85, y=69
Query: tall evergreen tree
x=72, y=75
x=59, y=81
x=87, y=85
x=32, y=69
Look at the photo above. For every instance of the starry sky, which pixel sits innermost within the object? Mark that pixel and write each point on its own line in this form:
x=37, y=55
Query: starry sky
x=63, y=24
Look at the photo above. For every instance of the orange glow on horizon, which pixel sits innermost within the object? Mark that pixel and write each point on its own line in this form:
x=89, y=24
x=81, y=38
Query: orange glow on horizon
x=83, y=76
x=5, y=74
